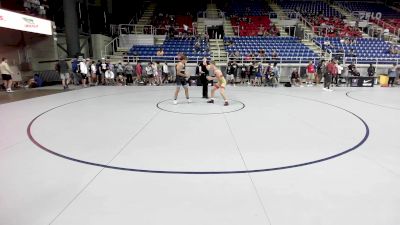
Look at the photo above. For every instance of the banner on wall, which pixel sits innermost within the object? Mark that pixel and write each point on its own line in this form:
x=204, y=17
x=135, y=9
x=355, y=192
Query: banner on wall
x=23, y=22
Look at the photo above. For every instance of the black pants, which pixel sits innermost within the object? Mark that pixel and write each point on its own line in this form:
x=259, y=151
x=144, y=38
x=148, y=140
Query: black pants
x=129, y=79
x=391, y=80
x=335, y=80
x=204, y=83
x=327, y=80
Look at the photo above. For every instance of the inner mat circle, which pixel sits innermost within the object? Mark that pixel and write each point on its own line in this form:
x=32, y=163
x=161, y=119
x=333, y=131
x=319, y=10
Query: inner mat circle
x=199, y=106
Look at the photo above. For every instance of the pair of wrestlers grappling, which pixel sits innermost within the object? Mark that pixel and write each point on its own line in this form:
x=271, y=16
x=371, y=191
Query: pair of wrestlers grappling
x=182, y=80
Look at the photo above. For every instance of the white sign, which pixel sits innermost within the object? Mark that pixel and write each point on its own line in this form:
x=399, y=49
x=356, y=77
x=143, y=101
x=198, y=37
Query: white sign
x=368, y=15
x=22, y=22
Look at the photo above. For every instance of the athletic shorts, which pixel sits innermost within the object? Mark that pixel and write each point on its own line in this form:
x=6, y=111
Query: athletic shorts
x=311, y=76
x=83, y=75
x=109, y=75
x=230, y=77
x=220, y=84
x=181, y=81
x=64, y=76
x=6, y=77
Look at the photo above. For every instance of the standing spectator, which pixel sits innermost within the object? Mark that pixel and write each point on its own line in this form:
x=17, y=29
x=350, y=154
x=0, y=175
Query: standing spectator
x=150, y=73
x=392, y=72
x=138, y=70
x=259, y=74
x=267, y=74
x=104, y=67
x=252, y=73
x=93, y=72
x=98, y=73
x=165, y=72
x=243, y=72
x=120, y=69
x=371, y=70
x=320, y=74
x=339, y=72
x=6, y=74
x=231, y=70
x=335, y=76
x=330, y=72
x=129, y=73
x=310, y=70
x=83, y=70
x=156, y=73
x=62, y=69
x=276, y=75
x=75, y=70
x=89, y=73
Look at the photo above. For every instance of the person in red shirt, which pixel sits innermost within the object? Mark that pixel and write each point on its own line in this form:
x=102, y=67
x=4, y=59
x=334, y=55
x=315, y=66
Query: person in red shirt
x=310, y=70
x=331, y=71
x=138, y=70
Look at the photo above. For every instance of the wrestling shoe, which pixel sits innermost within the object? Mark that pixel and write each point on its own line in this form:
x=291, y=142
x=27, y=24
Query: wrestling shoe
x=226, y=103
x=211, y=101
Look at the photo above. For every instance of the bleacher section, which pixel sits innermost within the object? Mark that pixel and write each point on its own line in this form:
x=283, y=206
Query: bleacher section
x=250, y=25
x=171, y=48
x=247, y=8
x=395, y=23
x=374, y=7
x=333, y=27
x=326, y=20
x=310, y=8
x=289, y=49
x=366, y=50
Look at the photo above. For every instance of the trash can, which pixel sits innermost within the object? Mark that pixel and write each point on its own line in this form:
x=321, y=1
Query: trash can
x=383, y=80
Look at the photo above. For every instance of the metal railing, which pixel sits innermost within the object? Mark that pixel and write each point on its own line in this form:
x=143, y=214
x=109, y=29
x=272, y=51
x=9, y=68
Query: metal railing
x=204, y=14
x=236, y=30
x=135, y=29
x=373, y=60
x=162, y=31
x=119, y=29
x=168, y=59
x=111, y=47
x=280, y=59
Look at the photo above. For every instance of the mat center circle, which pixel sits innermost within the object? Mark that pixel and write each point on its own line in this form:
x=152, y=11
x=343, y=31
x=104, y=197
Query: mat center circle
x=199, y=106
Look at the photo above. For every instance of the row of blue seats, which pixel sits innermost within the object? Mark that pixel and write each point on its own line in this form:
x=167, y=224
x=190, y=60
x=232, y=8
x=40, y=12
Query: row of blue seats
x=259, y=38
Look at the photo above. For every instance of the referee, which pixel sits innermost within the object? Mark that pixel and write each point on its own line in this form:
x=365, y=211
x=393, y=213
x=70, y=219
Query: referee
x=203, y=72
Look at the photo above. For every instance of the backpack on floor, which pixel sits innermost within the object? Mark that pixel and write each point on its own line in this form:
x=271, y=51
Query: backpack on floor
x=287, y=84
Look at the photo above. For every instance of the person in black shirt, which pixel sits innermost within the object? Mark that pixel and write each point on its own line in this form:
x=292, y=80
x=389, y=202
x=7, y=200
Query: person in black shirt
x=202, y=71
x=371, y=70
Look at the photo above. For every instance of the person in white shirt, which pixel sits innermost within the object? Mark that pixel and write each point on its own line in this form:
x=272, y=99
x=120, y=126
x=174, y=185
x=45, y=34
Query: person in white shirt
x=93, y=71
x=83, y=71
x=6, y=75
x=339, y=74
x=165, y=72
